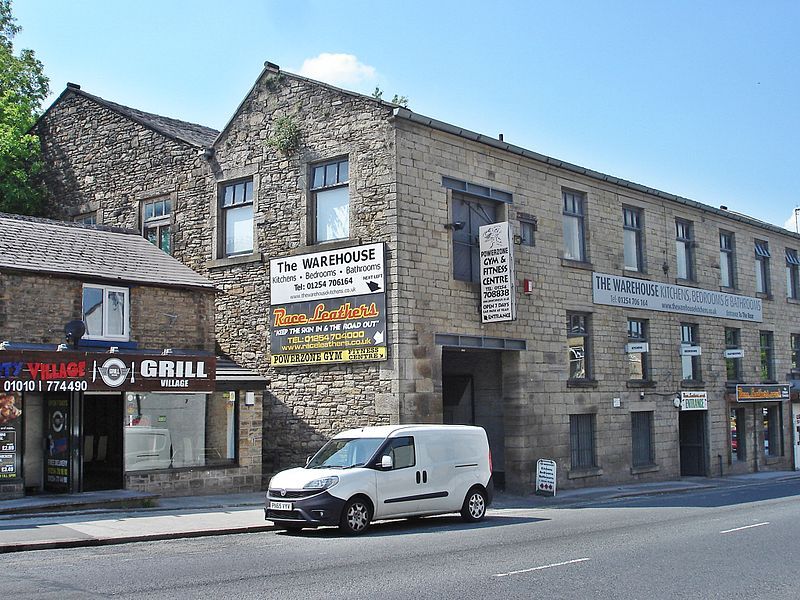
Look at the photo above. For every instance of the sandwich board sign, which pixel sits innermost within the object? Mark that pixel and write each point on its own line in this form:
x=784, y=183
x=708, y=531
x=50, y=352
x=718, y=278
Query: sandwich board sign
x=545, y=477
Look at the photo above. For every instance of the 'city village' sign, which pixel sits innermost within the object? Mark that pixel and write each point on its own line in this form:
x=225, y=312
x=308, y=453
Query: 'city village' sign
x=71, y=371
x=628, y=292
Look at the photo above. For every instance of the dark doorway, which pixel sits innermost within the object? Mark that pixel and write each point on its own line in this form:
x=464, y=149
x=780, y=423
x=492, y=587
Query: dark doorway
x=692, y=426
x=101, y=442
x=472, y=394
x=458, y=400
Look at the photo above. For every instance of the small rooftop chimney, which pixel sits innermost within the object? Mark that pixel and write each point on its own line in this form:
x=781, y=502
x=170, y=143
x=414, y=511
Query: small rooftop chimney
x=723, y=207
x=271, y=66
x=73, y=86
x=500, y=137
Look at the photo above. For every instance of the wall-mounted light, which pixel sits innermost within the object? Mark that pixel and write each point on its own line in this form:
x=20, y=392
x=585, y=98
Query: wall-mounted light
x=455, y=226
x=676, y=401
x=166, y=352
x=62, y=348
x=4, y=345
x=113, y=350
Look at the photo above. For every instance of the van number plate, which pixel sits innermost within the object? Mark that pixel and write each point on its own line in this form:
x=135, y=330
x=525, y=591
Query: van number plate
x=280, y=506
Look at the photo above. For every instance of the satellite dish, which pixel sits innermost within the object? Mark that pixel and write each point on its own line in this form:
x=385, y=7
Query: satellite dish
x=74, y=331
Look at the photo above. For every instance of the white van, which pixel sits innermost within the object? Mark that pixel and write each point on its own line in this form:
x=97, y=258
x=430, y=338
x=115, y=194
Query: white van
x=382, y=472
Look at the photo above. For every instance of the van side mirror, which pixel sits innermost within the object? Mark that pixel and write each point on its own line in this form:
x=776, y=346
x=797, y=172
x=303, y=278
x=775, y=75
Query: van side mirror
x=387, y=462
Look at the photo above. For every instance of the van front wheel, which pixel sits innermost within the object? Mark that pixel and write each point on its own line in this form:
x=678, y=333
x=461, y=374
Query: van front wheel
x=356, y=516
x=474, y=507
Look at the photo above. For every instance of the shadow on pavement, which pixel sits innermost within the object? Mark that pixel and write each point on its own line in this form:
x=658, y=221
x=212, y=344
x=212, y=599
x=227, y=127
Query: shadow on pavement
x=419, y=525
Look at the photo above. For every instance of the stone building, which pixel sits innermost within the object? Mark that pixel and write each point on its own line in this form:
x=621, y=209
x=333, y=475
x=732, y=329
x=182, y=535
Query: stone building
x=629, y=315
x=108, y=373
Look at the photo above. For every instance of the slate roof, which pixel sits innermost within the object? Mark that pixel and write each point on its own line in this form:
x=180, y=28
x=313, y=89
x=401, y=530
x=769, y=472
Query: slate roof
x=191, y=133
x=89, y=252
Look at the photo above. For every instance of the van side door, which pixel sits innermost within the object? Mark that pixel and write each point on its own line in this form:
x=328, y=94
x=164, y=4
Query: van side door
x=397, y=487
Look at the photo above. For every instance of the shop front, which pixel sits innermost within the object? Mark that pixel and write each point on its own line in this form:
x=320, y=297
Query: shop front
x=757, y=427
x=73, y=421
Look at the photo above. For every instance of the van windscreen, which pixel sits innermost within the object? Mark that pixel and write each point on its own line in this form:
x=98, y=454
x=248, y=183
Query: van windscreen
x=342, y=453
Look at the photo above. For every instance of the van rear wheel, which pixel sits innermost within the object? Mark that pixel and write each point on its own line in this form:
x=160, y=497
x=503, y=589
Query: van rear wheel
x=474, y=507
x=356, y=516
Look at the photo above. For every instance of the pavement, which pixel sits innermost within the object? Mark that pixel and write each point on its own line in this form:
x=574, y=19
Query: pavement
x=122, y=516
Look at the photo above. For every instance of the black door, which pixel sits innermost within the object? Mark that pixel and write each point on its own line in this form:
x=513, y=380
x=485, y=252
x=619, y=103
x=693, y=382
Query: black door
x=692, y=426
x=101, y=442
x=57, y=450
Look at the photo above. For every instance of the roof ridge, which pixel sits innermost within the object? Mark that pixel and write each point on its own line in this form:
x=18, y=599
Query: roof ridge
x=151, y=120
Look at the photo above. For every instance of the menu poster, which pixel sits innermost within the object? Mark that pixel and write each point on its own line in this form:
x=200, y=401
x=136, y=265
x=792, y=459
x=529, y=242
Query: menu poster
x=57, y=466
x=10, y=434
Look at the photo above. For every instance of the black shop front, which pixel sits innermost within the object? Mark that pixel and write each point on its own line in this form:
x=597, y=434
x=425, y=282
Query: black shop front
x=73, y=421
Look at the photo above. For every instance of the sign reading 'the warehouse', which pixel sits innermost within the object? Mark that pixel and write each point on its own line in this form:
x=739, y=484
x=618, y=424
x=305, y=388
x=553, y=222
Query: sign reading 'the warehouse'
x=331, y=274
x=628, y=292
x=328, y=307
x=498, y=302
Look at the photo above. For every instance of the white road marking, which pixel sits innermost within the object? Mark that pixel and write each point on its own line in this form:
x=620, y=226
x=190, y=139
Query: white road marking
x=745, y=527
x=568, y=562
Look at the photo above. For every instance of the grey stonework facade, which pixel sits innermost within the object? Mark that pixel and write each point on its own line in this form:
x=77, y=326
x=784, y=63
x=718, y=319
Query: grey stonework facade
x=407, y=176
x=42, y=287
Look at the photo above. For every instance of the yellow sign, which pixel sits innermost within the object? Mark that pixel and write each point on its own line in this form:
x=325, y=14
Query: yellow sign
x=329, y=356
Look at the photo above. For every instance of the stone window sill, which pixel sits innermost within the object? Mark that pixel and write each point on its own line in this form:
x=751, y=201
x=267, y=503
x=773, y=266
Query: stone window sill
x=764, y=296
x=692, y=384
x=635, y=384
x=582, y=383
x=583, y=473
x=577, y=264
x=645, y=469
x=232, y=261
x=216, y=467
x=793, y=300
x=689, y=282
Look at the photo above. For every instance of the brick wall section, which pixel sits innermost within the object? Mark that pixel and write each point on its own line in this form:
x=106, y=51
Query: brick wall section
x=35, y=308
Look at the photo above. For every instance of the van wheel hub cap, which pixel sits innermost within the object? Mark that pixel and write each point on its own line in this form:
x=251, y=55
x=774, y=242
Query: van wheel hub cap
x=476, y=506
x=357, y=517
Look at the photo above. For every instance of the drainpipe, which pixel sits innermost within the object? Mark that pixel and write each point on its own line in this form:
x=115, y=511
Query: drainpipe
x=755, y=439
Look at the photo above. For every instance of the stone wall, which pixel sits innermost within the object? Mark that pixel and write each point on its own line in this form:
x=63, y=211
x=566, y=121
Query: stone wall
x=99, y=161
x=397, y=197
x=305, y=405
x=35, y=308
x=538, y=398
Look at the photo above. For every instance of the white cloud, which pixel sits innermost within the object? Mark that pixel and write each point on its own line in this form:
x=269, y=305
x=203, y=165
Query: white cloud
x=791, y=223
x=337, y=69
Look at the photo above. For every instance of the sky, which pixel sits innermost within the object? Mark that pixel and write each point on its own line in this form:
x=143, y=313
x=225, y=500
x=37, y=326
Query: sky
x=697, y=98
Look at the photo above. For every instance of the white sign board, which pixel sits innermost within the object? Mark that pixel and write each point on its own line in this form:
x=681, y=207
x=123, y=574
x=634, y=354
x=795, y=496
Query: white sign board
x=545, y=477
x=352, y=271
x=694, y=400
x=691, y=350
x=734, y=353
x=627, y=292
x=637, y=348
x=498, y=298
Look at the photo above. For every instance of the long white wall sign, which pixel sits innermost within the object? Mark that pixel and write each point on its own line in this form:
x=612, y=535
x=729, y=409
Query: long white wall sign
x=628, y=292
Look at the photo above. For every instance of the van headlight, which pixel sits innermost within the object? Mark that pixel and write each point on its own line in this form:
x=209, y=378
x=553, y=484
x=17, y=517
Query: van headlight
x=323, y=483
